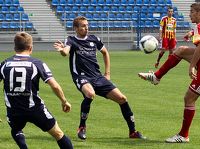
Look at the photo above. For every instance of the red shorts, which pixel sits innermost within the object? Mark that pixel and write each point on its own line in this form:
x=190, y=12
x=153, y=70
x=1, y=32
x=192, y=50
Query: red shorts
x=195, y=84
x=168, y=44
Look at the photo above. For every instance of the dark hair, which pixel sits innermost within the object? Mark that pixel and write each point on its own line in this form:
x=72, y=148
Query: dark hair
x=23, y=41
x=77, y=20
x=169, y=7
x=196, y=6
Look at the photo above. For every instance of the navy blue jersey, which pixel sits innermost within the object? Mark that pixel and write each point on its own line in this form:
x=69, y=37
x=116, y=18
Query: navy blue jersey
x=83, y=60
x=21, y=75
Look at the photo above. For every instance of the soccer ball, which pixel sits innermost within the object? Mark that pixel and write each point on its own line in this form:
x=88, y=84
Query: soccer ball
x=148, y=44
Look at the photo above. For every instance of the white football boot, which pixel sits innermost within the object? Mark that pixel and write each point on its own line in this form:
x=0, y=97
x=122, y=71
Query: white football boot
x=150, y=76
x=177, y=139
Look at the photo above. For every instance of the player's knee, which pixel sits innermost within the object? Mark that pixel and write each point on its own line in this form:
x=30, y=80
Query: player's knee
x=90, y=94
x=122, y=99
x=181, y=50
x=56, y=132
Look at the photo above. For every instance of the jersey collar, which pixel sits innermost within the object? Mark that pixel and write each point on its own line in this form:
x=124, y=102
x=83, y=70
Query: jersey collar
x=81, y=38
x=22, y=55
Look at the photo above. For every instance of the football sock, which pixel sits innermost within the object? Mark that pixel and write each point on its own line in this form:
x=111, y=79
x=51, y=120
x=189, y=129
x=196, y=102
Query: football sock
x=171, y=62
x=187, y=120
x=65, y=143
x=128, y=116
x=85, y=108
x=19, y=138
x=160, y=55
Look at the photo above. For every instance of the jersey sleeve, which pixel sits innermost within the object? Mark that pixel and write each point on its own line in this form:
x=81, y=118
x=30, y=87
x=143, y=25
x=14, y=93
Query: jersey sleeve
x=68, y=41
x=99, y=44
x=44, y=71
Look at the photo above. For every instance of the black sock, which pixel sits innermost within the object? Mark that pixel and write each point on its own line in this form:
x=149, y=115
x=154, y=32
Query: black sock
x=85, y=108
x=128, y=116
x=65, y=143
x=19, y=138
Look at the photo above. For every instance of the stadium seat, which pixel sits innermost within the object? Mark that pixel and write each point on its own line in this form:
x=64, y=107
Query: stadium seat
x=75, y=9
x=186, y=24
x=96, y=16
x=124, y=3
x=151, y=9
x=14, y=25
x=146, y=2
x=29, y=25
x=5, y=9
x=144, y=9
x=69, y=24
x=116, y=2
x=2, y=17
x=106, y=9
x=148, y=24
x=111, y=16
x=93, y=24
x=129, y=9
x=70, y=3
x=126, y=24
x=25, y=17
x=127, y=16
x=91, y=9
x=8, y=3
x=20, y=10
x=9, y=17
x=93, y=2
x=108, y=2
x=180, y=24
x=5, y=25
x=63, y=3
x=83, y=9
x=102, y=24
x=138, y=2
x=59, y=9
x=131, y=2
x=134, y=16
x=122, y=9
x=153, y=3
x=64, y=16
x=136, y=9
x=101, y=3
x=87, y=2
x=119, y=16
x=16, y=3
x=72, y=16
x=117, y=24
x=143, y=16
x=68, y=9
x=103, y=16
x=156, y=24
x=180, y=18
x=168, y=2
x=114, y=9
x=89, y=16
x=98, y=9
x=134, y=24
x=16, y=17
x=55, y=3
x=150, y=17
x=13, y=9
x=1, y=3
x=78, y=2
x=161, y=3
x=159, y=9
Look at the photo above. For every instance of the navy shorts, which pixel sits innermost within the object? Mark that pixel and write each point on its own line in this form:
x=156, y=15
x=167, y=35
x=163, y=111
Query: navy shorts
x=40, y=117
x=101, y=85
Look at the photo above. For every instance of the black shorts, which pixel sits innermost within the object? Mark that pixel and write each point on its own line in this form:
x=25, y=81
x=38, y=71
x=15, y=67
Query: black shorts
x=40, y=117
x=101, y=85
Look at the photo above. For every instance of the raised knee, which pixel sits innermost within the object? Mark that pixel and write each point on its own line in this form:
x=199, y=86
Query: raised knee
x=180, y=50
x=90, y=94
x=122, y=99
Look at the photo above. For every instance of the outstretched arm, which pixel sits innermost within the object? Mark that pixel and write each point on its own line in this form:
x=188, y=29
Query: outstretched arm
x=60, y=47
x=106, y=59
x=66, y=106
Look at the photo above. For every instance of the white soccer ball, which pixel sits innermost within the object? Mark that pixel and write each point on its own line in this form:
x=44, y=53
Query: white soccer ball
x=148, y=44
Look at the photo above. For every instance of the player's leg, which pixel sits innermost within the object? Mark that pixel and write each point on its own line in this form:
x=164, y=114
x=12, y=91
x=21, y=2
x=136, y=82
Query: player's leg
x=17, y=124
x=127, y=113
x=63, y=141
x=88, y=93
x=189, y=111
x=183, y=52
x=160, y=55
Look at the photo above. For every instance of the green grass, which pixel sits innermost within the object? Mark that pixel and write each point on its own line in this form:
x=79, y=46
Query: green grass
x=157, y=109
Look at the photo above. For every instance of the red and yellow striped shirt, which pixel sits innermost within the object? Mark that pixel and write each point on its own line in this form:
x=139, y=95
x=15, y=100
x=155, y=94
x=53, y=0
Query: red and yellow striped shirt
x=168, y=27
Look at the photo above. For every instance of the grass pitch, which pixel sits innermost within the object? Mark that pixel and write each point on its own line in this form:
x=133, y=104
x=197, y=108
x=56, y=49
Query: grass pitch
x=157, y=109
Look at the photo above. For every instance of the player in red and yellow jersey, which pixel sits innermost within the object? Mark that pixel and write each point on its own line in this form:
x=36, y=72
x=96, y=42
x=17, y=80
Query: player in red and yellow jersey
x=167, y=34
x=192, y=55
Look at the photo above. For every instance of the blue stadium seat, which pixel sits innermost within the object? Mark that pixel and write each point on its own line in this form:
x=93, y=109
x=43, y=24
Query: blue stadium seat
x=159, y=9
x=136, y=9
x=138, y=2
x=16, y=17
x=25, y=17
x=129, y=9
x=93, y=24
x=156, y=24
x=8, y=3
x=1, y=3
x=2, y=17
x=116, y=2
x=124, y=3
x=111, y=16
x=106, y=9
x=5, y=25
x=68, y=9
x=151, y=9
x=126, y=24
x=72, y=16
x=20, y=9
x=127, y=16
x=186, y=24
x=55, y=3
x=14, y=25
x=29, y=25
x=134, y=24
x=143, y=16
x=69, y=24
x=119, y=16
x=108, y=2
x=114, y=9
x=9, y=17
x=134, y=16
x=98, y=9
x=180, y=24
x=64, y=16
x=161, y=3
x=103, y=16
x=180, y=18
x=83, y=9
x=150, y=17
x=122, y=9
x=94, y=2
x=91, y=9
x=169, y=2
x=70, y=3
x=5, y=9
x=144, y=9
x=59, y=9
x=131, y=2
x=148, y=24
x=78, y=2
x=153, y=3
x=89, y=16
x=16, y=3
x=101, y=2
x=117, y=24
x=13, y=9
x=75, y=9
x=102, y=24
x=63, y=3
x=110, y=24
x=146, y=2
x=96, y=16
x=87, y=2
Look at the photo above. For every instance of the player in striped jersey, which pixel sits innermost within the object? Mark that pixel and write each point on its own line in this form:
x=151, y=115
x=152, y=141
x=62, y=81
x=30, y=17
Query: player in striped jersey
x=167, y=34
x=21, y=74
x=192, y=55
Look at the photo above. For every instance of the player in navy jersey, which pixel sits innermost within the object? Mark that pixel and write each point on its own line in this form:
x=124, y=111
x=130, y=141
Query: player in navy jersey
x=21, y=74
x=82, y=50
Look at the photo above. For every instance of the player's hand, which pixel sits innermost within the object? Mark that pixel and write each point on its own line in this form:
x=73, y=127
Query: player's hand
x=192, y=72
x=66, y=106
x=59, y=45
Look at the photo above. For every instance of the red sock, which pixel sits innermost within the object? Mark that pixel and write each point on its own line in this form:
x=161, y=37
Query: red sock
x=171, y=62
x=187, y=120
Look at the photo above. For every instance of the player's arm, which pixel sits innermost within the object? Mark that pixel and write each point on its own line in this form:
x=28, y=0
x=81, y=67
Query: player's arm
x=106, y=59
x=195, y=59
x=188, y=35
x=60, y=47
x=66, y=106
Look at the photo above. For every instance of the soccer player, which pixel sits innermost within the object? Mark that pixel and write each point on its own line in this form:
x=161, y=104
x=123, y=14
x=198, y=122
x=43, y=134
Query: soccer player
x=167, y=34
x=21, y=74
x=192, y=55
x=82, y=50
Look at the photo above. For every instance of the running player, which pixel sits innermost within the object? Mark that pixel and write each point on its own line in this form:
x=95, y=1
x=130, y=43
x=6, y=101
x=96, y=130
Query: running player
x=167, y=34
x=87, y=77
x=192, y=55
x=21, y=74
